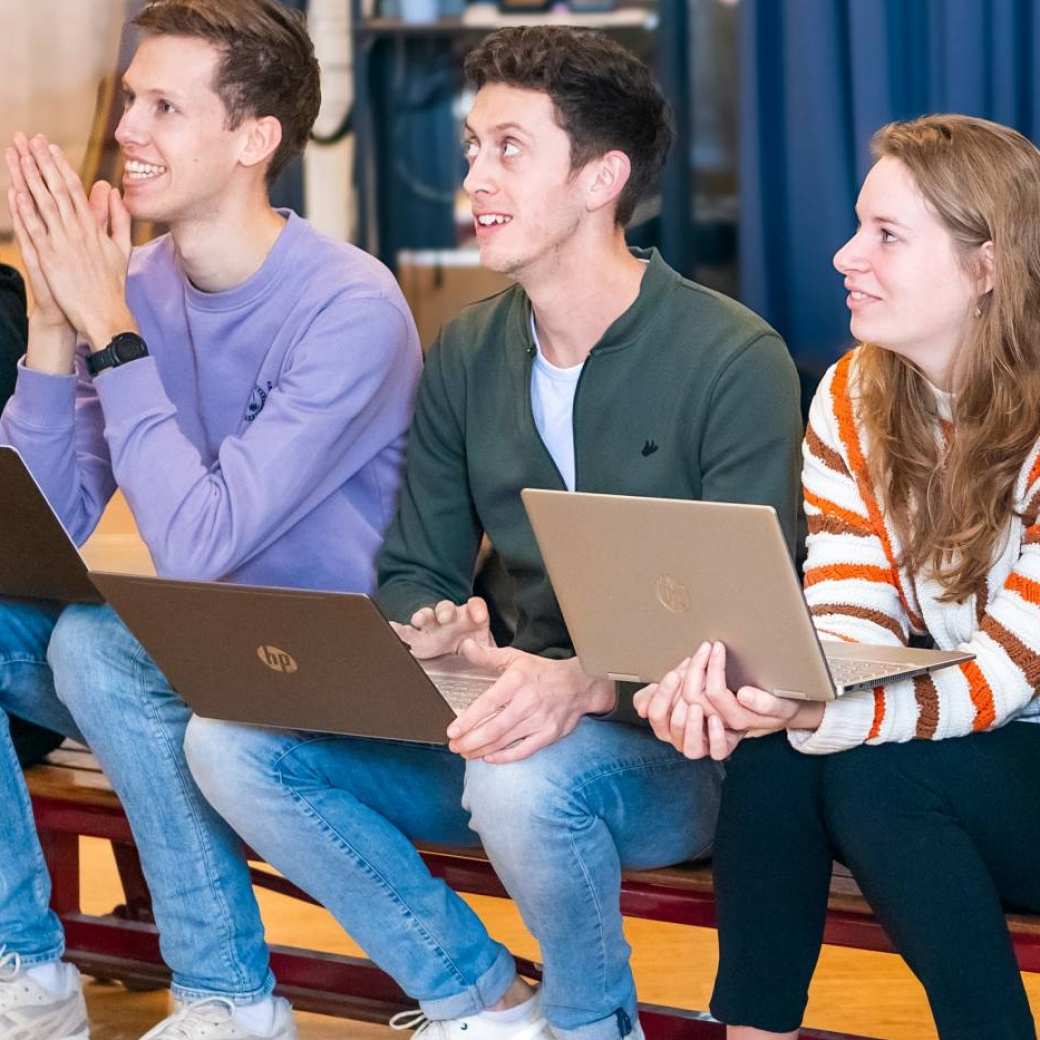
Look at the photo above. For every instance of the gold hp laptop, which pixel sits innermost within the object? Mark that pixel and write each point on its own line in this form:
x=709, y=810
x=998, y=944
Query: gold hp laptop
x=642, y=582
x=292, y=659
x=38, y=559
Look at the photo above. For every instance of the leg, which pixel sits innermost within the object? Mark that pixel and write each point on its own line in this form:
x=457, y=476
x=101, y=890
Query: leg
x=559, y=827
x=772, y=877
x=338, y=816
x=936, y=833
x=210, y=931
x=28, y=926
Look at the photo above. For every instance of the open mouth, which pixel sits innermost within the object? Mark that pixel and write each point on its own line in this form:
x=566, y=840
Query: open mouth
x=136, y=171
x=488, y=220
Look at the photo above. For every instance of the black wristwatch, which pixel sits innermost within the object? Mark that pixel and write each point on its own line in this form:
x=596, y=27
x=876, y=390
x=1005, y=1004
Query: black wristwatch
x=125, y=347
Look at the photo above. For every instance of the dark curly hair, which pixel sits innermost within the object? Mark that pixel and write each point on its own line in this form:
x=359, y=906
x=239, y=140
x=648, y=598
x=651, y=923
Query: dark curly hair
x=267, y=65
x=605, y=97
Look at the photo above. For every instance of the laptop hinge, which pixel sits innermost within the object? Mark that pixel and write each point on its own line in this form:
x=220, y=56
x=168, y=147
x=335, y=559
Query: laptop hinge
x=621, y=677
x=795, y=695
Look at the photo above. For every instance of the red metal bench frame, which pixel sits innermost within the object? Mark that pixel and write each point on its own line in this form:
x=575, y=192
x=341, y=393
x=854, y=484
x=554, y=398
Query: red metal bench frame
x=124, y=944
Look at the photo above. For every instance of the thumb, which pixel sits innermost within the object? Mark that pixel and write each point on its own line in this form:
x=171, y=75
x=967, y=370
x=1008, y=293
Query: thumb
x=491, y=658
x=119, y=221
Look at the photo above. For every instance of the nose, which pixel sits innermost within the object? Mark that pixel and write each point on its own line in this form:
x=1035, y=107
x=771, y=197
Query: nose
x=129, y=130
x=850, y=256
x=479, y=177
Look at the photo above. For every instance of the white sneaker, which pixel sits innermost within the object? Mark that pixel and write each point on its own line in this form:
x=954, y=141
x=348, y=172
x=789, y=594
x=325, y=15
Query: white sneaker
x=214, y=1019
x=28, y=1011
x=476, y=1027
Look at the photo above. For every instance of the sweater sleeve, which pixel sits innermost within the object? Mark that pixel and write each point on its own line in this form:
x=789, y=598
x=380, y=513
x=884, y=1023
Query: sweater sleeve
x=322, y=423
x=749, y=448
x=431, y=546
x=851, y=585
x=55, y=422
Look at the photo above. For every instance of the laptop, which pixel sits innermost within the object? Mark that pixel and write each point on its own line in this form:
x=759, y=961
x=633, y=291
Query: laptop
x=38, y=559
x=642, y=582
x=292, y=658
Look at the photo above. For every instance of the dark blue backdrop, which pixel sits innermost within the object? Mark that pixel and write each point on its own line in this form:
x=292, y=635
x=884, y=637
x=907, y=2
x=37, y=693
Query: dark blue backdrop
x=819, y=77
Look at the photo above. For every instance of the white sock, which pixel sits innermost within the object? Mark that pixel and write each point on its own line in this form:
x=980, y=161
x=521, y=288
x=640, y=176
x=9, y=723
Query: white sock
x=258, y=1018
x=52, y=976
x=515, y=1013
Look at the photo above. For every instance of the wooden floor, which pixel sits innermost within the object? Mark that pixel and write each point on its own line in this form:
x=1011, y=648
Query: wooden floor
x=867, y=993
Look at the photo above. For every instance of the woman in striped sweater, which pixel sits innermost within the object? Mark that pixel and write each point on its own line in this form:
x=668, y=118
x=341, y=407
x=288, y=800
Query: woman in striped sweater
x=922, y=491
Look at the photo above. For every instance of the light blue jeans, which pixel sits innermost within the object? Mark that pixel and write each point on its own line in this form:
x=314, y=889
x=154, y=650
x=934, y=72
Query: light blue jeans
x=79, y=671
x=338, y=816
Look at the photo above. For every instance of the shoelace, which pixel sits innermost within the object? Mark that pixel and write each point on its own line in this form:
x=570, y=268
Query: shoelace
x=418, y=1021
x=10, y=964
x=178, y=1026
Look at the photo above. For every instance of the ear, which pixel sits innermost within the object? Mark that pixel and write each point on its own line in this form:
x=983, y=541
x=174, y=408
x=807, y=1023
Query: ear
x=985, y=275
x=606, y=179
x=262, y=138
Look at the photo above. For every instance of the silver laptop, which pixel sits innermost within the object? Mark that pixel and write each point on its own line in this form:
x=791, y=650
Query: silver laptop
x=643, y=581
x=38, y=559
x=291, y=658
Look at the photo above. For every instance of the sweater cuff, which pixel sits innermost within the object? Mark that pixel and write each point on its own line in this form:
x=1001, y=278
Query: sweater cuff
x=846, y=724
x=43, y=401
x=127, y=391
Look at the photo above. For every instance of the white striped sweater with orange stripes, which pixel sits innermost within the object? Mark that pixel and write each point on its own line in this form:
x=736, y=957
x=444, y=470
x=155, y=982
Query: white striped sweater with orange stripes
x=857, y=592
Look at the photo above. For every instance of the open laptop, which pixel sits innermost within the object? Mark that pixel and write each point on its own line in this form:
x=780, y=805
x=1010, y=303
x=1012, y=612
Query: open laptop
x=38, y=559
x=642, y=582
x=292, y=658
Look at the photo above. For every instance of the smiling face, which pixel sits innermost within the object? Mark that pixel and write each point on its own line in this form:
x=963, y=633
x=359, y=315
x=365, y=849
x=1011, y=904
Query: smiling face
x=527, y=201
x=909, y=286
x=181, y=158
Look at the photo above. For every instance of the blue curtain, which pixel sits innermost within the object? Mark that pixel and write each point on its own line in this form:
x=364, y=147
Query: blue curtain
x=819, y=77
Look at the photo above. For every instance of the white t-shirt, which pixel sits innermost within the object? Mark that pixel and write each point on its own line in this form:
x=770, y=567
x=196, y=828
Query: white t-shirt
x=552, y=401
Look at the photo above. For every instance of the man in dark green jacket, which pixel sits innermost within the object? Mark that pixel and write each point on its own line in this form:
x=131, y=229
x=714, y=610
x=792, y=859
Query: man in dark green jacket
x=602, y=370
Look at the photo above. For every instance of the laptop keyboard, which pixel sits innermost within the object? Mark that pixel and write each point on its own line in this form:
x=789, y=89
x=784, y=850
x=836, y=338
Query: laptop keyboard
x=460, y=691
x=854, y=673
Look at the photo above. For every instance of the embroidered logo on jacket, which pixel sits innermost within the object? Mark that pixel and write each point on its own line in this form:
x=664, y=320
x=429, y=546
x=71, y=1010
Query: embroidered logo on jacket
x=257, y=400
x=649, y=448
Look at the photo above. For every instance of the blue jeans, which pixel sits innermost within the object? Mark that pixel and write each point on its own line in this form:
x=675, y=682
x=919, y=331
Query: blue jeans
x=85, y=675
x=338, y=815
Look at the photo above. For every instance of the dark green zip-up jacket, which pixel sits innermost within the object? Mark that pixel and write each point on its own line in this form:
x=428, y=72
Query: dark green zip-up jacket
x=687, y=395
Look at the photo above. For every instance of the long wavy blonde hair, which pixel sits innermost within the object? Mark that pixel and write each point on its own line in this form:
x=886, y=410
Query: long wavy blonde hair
x=950, y=498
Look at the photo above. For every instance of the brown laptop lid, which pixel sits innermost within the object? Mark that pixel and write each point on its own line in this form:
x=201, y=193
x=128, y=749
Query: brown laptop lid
x=37, y=558
x=286, y=658
x=643, y=581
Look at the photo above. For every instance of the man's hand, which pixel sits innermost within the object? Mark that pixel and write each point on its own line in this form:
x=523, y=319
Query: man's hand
x=534, y=703
x=84, y=263
x=52, y=339
x=443, y=629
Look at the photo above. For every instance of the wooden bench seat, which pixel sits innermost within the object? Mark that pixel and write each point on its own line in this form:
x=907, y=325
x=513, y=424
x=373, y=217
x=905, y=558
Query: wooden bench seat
x=72, y=797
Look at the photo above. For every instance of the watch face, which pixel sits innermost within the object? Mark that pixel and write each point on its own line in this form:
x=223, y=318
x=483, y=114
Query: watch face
x=128, y=348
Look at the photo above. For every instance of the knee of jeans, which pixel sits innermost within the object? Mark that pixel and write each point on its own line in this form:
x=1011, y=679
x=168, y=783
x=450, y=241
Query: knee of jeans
x=521, y=802
x=87, y=641
x=217, y=753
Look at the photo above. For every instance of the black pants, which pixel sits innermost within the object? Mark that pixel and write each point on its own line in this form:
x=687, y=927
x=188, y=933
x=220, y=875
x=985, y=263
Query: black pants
x=942, y=836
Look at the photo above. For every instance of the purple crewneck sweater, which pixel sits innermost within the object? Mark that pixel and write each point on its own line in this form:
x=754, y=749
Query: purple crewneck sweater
x=263, y=439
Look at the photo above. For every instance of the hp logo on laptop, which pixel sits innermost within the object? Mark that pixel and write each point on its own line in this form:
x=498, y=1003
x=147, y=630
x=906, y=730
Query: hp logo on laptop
x=277, y=660
x=672, y=594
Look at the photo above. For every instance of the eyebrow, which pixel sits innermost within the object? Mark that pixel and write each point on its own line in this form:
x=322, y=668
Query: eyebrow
x=153, y=92
x=499, y=128
x=886, y=220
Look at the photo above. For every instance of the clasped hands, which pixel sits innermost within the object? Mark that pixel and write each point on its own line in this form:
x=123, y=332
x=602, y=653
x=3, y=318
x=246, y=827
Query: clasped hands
x=535, y=700
x=75, y=249
x=693, y=709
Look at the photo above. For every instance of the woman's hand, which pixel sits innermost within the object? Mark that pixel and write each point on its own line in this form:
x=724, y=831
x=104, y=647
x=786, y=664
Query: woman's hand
x=693, y=709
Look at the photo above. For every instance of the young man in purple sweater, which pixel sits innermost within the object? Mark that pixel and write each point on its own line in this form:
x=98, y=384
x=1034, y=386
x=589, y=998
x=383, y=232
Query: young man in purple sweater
x=248, y=385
